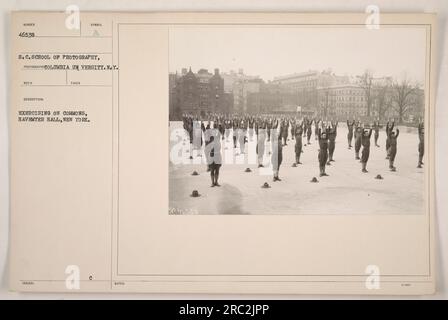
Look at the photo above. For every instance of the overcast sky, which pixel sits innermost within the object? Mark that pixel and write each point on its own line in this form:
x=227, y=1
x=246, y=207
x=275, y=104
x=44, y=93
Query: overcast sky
x=275, y=51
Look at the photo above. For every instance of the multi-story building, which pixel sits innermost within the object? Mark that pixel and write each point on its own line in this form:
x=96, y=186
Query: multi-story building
x=342, y=101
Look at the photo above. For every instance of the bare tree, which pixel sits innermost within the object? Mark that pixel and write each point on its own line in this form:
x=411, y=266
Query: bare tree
x=365, y=81
x=403, y=92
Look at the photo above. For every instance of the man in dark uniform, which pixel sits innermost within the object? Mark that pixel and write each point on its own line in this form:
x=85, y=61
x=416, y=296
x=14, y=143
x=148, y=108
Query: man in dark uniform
x=305, y=126
x=228, y=126
x=277, y=153
x=376, y=128
x=316, y=129
x=242, y=135
x=213, y=154
x=298, y=130
x=365, y=141
x=309, y=131
x=188, y=126
x=251, y=128
x=284, y=131
x=389, y=128
x=332, y=133
x=235, y=130
x=268, y=128
x=358, y=138
x=260, y=130
x=293, y=128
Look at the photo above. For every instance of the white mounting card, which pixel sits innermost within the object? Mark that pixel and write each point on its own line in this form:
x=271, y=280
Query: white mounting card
x=117, y=185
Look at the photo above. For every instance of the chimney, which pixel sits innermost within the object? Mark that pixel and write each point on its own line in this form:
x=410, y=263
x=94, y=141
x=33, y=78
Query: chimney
x=216, y=72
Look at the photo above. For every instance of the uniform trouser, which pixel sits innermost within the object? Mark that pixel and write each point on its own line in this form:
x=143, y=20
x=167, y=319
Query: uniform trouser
x=260, y=150
x=308, y=136
x=242, y=135
x=421, y=152
x=365, y=155
x=276, y=166
x=349, y=139
x=376, y=136
x=323, y=157
x=388, y=147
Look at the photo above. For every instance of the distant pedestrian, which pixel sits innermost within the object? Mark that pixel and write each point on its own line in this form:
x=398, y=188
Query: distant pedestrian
x=298, y=146
x=277, y=153
x=350, y=133
x=323, y=152
x=389, y=128
x=213, y=156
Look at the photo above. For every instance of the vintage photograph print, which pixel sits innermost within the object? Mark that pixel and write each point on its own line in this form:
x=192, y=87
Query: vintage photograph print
x=297, y=119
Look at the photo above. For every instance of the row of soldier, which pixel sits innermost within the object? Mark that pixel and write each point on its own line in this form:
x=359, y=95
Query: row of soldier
x=276, y=130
